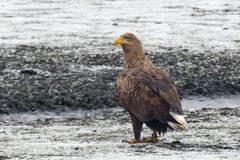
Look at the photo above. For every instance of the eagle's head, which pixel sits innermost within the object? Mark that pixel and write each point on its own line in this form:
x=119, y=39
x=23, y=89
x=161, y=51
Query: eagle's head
x=132, y=48
x=127, y=39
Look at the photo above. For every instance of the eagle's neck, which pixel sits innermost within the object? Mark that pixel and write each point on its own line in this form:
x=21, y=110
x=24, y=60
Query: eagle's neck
x=134, y=56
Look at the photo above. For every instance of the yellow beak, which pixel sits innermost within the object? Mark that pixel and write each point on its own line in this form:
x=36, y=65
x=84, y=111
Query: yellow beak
x=119, y=41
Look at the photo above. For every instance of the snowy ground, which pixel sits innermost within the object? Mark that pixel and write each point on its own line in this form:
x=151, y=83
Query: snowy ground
x=98, y=134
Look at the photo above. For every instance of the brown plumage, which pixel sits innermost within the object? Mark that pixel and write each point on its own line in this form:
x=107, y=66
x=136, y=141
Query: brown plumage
x=146, y=92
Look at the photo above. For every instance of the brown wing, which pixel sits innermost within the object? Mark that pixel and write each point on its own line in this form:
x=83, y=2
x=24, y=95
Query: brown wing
x=162, y=84
x=148, y=94
x=135, y=97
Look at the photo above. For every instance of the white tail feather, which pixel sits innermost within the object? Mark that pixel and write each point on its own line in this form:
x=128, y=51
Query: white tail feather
x=182, y=123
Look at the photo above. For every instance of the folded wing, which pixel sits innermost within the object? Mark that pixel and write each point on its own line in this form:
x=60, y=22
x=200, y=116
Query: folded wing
x=153, y=96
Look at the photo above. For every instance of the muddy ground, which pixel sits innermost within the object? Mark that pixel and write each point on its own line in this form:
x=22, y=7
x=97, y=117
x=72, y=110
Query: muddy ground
x=212, y=134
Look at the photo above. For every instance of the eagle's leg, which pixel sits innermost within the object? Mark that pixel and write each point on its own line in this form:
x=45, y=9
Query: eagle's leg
x=137, y=128
x=154, y=136
x=151, y=139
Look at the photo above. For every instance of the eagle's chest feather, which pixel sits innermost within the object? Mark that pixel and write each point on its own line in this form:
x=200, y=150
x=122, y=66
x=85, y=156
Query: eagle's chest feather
x=129, y=90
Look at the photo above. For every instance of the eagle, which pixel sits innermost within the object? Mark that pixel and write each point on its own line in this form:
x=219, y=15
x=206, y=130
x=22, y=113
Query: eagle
x=148, y=93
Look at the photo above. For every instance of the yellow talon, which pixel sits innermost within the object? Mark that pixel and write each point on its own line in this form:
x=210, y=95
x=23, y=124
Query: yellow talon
x=133, y=141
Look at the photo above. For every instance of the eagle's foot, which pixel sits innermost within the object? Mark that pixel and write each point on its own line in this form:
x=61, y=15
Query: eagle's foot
x=132, y=141
x=151, y=139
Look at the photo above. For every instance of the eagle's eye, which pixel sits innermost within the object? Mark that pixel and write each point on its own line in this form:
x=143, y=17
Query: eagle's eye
x=127, y=37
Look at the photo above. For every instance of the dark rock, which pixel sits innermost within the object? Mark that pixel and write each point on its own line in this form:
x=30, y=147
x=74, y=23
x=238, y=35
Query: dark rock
x=28, y=72
x=3, y=157
x=2, y=66
x=76, y=148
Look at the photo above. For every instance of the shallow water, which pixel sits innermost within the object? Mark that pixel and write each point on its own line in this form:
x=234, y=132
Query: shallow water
x=195, y=103
x=191, y=24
